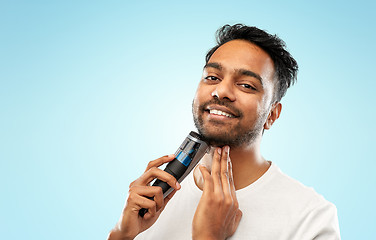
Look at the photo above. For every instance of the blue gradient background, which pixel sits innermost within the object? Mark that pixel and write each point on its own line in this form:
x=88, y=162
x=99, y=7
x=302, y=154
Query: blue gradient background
x=91, y=91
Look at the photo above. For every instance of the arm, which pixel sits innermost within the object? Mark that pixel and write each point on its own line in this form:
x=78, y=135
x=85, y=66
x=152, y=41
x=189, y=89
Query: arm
x=217, y=215
x=131, y=223
x=321, y=223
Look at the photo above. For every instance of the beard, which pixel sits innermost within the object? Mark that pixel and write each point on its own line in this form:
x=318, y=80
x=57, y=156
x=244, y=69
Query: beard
x=219, y=135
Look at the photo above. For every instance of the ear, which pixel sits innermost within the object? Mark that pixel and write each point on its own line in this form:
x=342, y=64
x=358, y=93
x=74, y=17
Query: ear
x=274, y=113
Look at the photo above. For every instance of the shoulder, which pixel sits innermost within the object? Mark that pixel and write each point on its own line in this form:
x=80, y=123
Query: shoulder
x=315, y=215
x=291, y=189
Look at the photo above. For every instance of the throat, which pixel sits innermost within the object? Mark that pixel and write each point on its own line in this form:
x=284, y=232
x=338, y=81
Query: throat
x=245, y=170
x=246, y=175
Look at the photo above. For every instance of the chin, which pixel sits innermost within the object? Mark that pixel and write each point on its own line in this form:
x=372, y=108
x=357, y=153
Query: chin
x=234, y=137
x=217, y=137
x=217, y=134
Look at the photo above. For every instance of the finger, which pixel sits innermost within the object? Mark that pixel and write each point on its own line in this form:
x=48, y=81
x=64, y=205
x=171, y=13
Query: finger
x=158, y=198
x=224, y=172
x=153, y=173
x=149, y=191
x=152, y=211
x=208, y=180
x=136, y=202
x=160, y=161
x=216, y=171
x=238, y=217
x=231, y=179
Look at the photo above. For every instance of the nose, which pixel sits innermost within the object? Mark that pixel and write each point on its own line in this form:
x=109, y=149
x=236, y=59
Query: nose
x=224, y=90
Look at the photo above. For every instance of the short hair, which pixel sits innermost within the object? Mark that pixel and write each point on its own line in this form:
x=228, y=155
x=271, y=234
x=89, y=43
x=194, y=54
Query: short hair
x=285, y=66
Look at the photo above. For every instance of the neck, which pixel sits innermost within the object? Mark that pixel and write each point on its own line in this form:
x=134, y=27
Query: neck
x=247, y=165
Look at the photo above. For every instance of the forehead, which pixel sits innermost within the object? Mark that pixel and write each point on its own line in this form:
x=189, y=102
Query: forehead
x=241, y=54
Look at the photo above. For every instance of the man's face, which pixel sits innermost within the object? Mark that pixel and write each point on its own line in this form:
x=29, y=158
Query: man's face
x=234, y=97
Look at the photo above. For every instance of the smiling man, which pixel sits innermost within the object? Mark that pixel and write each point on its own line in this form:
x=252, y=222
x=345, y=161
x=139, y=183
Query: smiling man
x=234, y=192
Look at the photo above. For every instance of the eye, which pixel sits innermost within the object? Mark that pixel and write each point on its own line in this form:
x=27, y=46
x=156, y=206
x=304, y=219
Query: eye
x=211, y=78
x=247, y=86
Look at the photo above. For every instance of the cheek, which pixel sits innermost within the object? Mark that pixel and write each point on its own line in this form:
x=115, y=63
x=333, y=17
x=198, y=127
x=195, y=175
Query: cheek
x=203, y=94
x=254, y=107
x=195, y=105
x=197, y=100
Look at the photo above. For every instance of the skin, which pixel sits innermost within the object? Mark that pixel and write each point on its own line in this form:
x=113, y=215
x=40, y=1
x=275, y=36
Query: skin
x=130, y=223
x=218, y=200
x=250, y=97
x=239, y=75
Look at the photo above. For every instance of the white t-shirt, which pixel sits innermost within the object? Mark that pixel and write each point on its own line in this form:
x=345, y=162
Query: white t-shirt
x=274, y=207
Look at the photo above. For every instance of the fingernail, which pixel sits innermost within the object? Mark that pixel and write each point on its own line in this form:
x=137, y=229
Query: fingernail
x=171, y=155
x=219, y=150
x=177, y=185
x=227, y=149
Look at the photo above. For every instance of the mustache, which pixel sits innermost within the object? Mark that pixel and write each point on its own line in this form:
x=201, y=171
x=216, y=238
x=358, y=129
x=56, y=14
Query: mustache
x=226, y=104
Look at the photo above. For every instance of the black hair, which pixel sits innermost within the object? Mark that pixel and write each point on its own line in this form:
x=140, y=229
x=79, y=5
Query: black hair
x=285, y=66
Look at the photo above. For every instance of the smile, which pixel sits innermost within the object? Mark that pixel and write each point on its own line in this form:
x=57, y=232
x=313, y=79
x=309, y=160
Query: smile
x=221, y=113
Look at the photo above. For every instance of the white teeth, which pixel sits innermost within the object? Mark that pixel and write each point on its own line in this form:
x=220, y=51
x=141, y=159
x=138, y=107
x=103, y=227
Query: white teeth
x=217, y=112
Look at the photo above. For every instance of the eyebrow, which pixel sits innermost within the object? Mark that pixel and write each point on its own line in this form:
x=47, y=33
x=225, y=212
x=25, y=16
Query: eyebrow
x=214, y=65
x=238, y=71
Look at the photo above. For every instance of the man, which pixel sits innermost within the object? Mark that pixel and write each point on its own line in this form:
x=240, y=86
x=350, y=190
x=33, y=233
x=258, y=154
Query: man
x=234, y=192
